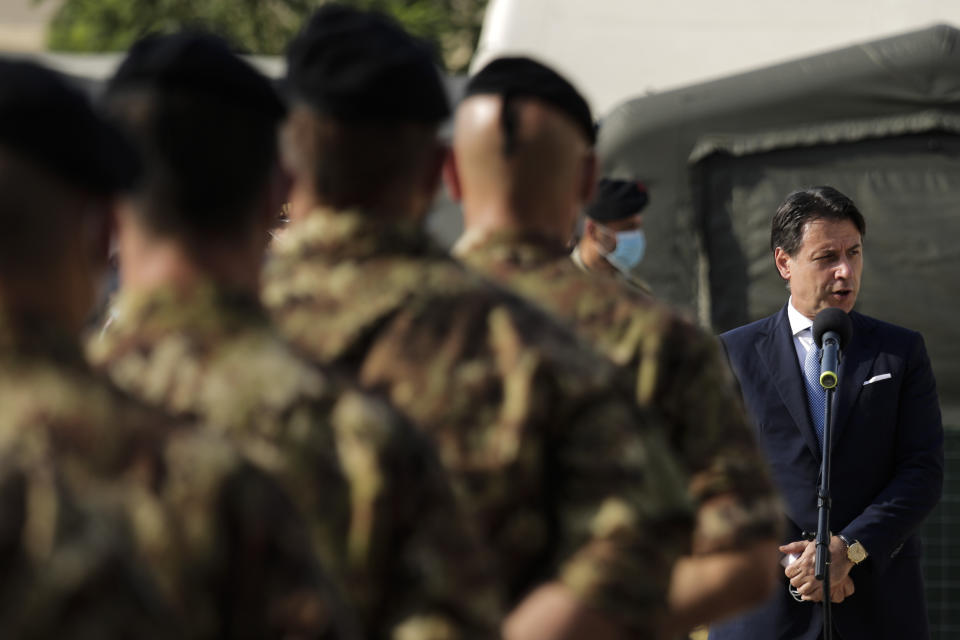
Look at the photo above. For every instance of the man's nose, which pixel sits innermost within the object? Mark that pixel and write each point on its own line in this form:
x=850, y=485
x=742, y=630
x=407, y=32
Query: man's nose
x=843, y=270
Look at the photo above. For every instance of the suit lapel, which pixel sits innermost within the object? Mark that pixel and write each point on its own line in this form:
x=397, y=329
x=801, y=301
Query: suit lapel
x=776, y=348
x=855, y=366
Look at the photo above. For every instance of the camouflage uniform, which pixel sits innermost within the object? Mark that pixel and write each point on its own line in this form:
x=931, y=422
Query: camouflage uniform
x=632, y=280
x=380, y=506
x=545, y=452
x=226, y=552
x=679, y=371
x=59, y=542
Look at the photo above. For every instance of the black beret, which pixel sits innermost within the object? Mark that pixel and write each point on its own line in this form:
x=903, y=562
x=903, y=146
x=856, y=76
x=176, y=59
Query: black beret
x=526, y=78
x=198, y=64
x=617, y=200
x=45, y=120
x=363, y=67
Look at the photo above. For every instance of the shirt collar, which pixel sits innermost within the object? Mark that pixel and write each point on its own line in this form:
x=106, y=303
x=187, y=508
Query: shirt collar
x=205, y=307
x=338, y=234
x=524, y=248
x=578, y=259
x=798, y=321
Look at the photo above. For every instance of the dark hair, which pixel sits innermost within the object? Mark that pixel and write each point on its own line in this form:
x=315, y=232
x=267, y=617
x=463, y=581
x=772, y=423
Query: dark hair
x=45, y=119
x=520, y=77
x=206, y=125
x=38, y=215
x=362, y=67
x=812, y=203
x=354, y=164
x=205, y=161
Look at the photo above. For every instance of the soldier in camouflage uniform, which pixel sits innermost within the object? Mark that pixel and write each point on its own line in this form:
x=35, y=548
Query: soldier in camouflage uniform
x=114, y=521
x=523, y=166
x=189, y=335
x=567, y=482
x=613, y=241
x=62, y=535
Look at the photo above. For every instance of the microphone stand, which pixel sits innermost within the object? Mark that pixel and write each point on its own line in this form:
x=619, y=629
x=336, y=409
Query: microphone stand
x=832, y=329
x=822, y=566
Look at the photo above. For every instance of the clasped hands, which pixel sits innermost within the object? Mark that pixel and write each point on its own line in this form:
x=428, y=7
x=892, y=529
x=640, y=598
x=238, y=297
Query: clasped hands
x=801, y=571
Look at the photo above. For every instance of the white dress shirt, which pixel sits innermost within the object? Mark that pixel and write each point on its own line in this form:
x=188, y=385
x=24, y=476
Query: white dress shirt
x=801, y=327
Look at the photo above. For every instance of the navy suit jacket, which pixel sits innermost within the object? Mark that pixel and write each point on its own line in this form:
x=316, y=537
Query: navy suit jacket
x=887, y=471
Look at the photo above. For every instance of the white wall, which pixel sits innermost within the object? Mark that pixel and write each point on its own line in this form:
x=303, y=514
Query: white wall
x=615, y=50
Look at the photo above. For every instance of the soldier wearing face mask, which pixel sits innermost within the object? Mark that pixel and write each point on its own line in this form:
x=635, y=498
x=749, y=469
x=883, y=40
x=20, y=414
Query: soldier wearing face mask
x=613, y=241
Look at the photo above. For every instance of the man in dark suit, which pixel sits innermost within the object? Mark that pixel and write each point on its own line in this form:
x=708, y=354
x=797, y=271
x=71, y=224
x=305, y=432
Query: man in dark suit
x=887, y=465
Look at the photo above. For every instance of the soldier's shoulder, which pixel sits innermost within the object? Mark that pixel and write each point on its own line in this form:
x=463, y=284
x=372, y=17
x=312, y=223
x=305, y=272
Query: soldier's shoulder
x=326, y=307
x=91, y=572
x=358, y=279
x=364, y=416
x=485, y=323
x=78, y=405
x=105, y=429
x=598, y=305
x=225, y=376
x=257, y=372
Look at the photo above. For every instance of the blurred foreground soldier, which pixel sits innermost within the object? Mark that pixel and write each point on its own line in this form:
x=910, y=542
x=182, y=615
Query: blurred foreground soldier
x=553, y=463
x=523, y=165
x=222, y=545
x=189, y=335
x=613, y=241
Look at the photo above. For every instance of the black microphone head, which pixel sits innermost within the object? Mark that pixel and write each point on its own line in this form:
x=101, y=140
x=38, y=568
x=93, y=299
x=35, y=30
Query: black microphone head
x=832, y=319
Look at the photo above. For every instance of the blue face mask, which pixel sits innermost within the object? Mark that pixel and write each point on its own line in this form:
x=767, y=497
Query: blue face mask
x=630, y=249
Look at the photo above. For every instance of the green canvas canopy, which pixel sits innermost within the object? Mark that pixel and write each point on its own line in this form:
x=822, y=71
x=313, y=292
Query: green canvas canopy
x=879, y=121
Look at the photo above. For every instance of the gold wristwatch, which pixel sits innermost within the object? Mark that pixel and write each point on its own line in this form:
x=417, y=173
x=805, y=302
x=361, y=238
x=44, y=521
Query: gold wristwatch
x=856, y=552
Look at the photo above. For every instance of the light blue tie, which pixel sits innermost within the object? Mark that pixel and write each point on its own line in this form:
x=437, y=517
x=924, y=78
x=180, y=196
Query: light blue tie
x=816, y=395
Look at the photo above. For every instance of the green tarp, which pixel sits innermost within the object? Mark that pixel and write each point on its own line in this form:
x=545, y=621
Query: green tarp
x=879, y=121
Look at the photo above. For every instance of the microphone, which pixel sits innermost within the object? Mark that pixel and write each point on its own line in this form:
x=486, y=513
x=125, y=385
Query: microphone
x=832, y=329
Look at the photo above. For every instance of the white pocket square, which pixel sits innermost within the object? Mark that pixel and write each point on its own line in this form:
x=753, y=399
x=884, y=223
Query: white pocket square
x=882, y=376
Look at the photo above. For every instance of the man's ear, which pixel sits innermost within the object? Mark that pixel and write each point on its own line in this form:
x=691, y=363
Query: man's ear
x=591, y=230
x=451, y=177
x=782, y=259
